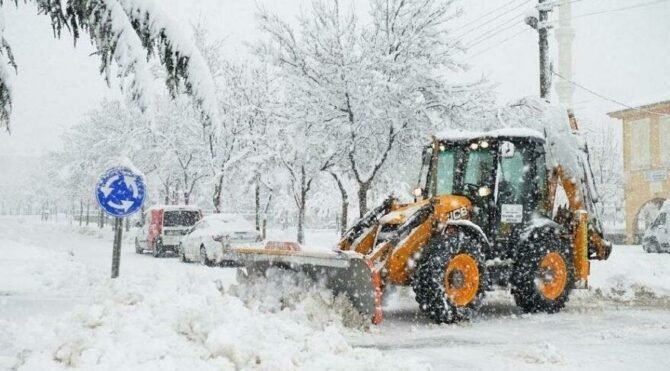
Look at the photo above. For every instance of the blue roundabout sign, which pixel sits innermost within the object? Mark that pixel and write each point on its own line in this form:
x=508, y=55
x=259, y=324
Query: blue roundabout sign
x=120, y=192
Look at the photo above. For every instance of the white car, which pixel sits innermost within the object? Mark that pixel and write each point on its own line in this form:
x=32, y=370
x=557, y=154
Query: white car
x=657, y=237
x=212, y=238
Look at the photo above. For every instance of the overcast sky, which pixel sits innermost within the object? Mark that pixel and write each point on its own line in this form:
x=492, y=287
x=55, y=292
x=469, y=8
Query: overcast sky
x=624, y=55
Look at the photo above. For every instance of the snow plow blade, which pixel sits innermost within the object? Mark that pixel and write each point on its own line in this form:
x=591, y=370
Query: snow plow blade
x=344, y=273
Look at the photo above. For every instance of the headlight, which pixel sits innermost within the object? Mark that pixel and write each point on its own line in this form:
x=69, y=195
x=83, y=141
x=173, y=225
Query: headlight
x=484, y=191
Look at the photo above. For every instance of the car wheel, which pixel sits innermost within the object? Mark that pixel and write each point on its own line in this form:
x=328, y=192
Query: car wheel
x=157, y=249
x=182, y=254
x=203, y=256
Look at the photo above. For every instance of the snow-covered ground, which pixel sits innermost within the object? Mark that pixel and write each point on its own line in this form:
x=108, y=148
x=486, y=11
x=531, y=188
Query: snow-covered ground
x=60, y=310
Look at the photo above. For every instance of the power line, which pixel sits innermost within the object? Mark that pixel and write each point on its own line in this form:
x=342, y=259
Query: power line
x=500, y=42
x=496, y=28
x=476, y=34
x=607, y=98
x=622, y=9
x=481, y=18
x=506, y=25
x=617, y=9
x=478, y=41
x=487, y=14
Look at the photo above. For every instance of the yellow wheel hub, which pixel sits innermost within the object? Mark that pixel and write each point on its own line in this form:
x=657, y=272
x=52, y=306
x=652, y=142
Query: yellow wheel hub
x=461, y=280
x=552, y=276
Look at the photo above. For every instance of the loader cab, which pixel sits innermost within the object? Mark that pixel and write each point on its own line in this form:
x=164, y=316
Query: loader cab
x=502, y=172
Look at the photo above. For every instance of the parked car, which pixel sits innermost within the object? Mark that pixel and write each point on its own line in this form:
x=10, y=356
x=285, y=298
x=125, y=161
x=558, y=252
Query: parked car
x=164, y=227
x=212, y=238
x=657, y=237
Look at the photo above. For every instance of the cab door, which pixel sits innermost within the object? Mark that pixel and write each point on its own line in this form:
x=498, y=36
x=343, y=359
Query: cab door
x=520, y=187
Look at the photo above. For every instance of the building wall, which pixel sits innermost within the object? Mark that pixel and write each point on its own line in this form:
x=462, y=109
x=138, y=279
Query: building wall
x=640, y=186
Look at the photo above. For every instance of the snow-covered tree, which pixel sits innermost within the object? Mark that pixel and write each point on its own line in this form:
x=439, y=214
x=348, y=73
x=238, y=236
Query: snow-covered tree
x=607, y=173
x=303, y=155
x=179, y=142
x=372, y=86
x=127, y=34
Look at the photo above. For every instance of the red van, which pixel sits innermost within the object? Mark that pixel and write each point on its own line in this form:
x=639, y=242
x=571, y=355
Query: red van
x=164, y=227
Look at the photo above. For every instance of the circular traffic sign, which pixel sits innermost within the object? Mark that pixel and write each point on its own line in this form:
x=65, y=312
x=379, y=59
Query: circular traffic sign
x=120, y=191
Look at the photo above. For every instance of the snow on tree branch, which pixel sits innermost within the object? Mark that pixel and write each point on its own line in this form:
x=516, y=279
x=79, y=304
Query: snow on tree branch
x=128, y=34
x=6, y=61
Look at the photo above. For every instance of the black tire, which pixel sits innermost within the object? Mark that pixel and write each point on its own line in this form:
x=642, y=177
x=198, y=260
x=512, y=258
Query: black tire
x=158, y=249
x=430, y=286
x=203, y=257
x=655, y=247
x=138, y=248
x=543, y=274
x=651, y=247
x=182, y=254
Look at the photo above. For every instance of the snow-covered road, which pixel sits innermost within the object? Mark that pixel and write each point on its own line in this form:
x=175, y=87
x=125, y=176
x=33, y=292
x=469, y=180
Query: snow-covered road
x=58, y=310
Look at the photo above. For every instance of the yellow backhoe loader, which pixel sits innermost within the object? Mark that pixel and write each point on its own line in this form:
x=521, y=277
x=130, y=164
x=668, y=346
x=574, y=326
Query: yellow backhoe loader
x=485, y=217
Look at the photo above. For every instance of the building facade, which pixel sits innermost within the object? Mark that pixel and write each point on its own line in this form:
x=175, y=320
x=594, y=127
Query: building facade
x=646, y=156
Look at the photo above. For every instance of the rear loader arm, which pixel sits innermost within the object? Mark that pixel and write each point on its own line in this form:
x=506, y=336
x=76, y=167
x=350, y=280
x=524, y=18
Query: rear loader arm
x=588, y=239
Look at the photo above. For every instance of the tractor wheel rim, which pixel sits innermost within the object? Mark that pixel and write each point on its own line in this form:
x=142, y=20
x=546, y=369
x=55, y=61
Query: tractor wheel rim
x=461, y=279
x=552, y=276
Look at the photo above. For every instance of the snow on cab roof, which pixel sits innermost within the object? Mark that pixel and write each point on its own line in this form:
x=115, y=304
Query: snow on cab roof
x=531, y=116
x=457, y=135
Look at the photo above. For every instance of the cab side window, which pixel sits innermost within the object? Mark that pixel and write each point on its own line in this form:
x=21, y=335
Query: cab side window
x=445, y=172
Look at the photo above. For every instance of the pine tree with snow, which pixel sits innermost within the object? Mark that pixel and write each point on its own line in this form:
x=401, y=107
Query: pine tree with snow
x=127, y=34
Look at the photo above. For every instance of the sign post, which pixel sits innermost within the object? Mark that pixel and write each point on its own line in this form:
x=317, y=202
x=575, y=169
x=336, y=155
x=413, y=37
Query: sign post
x=116, y=251
x=120, y=193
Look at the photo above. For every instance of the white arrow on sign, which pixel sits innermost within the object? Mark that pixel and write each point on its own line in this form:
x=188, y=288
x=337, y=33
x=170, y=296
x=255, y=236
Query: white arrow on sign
x=132, y=184
x=107, y=187
x=125, y=205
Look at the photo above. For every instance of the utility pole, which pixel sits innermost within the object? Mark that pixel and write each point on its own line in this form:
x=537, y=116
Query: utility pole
x=540, y=23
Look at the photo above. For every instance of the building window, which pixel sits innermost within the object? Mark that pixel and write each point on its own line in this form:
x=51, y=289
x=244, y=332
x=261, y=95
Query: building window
x=664, y=140
x=640, y=154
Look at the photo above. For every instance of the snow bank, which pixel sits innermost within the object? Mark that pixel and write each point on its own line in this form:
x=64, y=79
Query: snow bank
x=632, y=275
x=32, y=270
x=296, y=292
x=158, y=317
x=195, y=325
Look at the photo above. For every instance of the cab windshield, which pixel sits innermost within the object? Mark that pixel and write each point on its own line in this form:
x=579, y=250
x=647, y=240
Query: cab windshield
x=480, y=167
